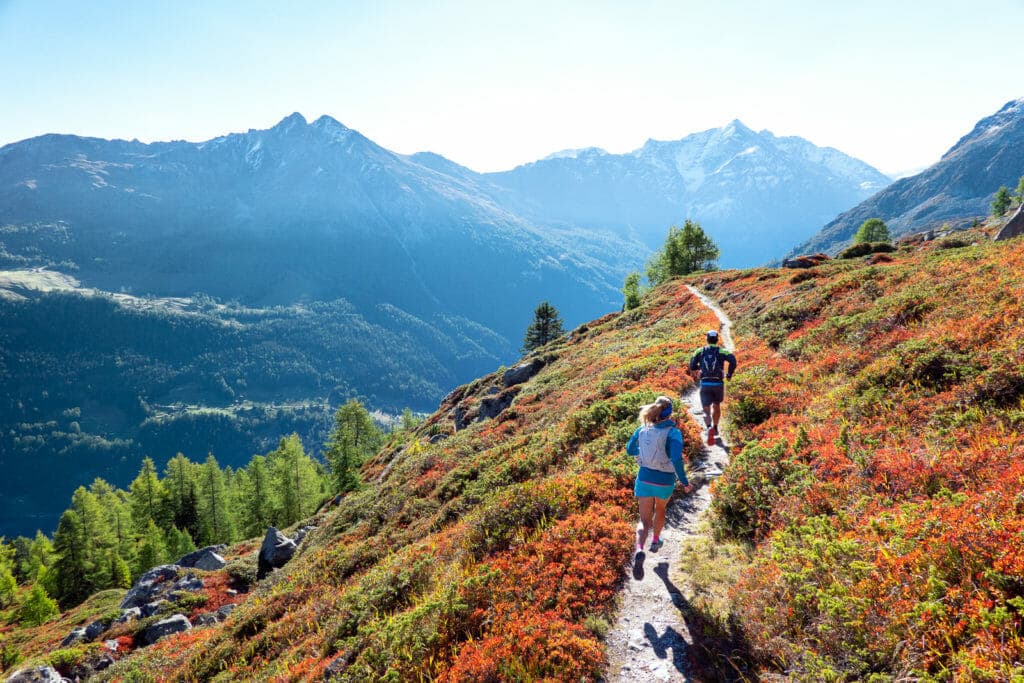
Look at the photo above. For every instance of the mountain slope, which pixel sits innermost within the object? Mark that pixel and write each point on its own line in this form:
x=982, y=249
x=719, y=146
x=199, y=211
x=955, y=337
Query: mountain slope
x=876, y=474
x=960, y=186
x=753, y=192
x=296, y=212
x=233, y=290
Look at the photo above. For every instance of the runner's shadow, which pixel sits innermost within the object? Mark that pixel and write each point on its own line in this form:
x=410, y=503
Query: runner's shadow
x=670, y=639
x=715, y=658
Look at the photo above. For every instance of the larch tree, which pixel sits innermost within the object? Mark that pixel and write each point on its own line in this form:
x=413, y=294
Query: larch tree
x=355, y=438
x=872, y=230
x=147, y=496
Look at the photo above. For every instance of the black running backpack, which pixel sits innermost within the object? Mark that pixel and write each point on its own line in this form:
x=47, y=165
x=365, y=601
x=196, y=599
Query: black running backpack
x=711, y=365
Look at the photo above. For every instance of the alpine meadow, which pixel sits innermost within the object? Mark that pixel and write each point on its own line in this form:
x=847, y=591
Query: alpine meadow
x=542, y=343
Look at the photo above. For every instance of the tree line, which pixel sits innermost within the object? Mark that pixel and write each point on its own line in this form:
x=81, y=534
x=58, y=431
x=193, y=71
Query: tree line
x=108, y=537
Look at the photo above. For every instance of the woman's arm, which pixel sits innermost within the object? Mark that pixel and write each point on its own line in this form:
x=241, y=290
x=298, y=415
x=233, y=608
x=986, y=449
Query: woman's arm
x=674, y=443
x=633, y=446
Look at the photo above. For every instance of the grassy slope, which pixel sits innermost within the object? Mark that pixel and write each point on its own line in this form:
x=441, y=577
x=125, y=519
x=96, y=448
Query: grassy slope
x=878, y=487
x=882, y=474
x=495, y=553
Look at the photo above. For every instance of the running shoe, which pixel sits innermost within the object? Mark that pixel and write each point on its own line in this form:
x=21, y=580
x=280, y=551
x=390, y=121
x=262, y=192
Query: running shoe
x=638, y=565
x=656, y=544
x=711, y=436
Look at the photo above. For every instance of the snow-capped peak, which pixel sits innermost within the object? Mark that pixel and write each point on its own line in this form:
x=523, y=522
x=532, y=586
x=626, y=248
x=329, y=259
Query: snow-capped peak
x=576, y=153
x=289, y=122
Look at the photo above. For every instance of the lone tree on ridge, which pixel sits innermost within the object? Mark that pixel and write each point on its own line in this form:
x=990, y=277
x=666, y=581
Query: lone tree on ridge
x=546, y=326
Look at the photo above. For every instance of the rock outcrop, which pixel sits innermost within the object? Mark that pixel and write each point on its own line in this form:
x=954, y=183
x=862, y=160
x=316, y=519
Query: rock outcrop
x=150, y=585
x=166, y=627
x=207, y=559
x=1014, y=227
x=805, y=261
x=39, y=674
x=275, y=552
x=522, y=372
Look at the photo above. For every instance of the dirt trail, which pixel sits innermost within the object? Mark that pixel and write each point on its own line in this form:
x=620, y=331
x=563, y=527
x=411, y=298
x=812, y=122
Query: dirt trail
x=650, y=637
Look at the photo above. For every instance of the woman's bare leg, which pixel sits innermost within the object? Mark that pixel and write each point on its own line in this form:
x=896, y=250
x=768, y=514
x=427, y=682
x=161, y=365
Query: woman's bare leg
x=660, y=505
x=646, y=519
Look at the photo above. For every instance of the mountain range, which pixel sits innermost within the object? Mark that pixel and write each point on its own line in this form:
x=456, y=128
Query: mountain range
x=958, y=188
x=197, y=297
x=755, y=194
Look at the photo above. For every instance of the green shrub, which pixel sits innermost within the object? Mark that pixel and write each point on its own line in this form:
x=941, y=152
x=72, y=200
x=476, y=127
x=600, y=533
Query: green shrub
x=64, y=659
x=746, y=494
x=9, y=657
x=855, y=251
x=242, y=571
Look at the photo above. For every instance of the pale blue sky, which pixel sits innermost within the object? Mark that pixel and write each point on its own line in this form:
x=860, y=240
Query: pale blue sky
x=494, y=84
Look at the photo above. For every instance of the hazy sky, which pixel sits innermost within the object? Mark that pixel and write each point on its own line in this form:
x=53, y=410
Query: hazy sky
x=494, y=84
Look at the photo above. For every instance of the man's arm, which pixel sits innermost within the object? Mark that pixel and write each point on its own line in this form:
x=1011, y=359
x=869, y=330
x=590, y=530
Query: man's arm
x=730, y=359
x=695, y=361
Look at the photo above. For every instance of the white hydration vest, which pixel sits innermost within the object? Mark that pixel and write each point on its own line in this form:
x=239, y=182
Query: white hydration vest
x=653, y=448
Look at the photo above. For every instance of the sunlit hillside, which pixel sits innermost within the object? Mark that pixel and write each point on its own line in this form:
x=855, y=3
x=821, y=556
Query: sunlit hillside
x=872, y=513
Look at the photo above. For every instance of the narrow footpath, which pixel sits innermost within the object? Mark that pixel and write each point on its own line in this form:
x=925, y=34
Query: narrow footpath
x=649, y=640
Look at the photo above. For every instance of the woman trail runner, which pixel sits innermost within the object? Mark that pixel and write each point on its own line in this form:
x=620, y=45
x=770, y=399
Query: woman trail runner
x=658, y=446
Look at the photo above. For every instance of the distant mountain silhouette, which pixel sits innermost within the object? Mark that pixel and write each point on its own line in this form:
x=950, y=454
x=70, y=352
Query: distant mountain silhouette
x=960, y=186
x=297, y=212
x=755, y=193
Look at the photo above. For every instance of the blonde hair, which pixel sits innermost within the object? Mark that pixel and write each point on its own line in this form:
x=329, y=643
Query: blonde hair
x=651, y=414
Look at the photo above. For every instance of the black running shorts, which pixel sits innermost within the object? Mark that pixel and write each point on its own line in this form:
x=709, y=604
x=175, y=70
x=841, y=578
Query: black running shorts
x=712, y=394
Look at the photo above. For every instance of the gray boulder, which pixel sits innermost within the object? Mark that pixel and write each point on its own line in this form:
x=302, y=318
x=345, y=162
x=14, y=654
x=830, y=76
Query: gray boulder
x=206, y=619
x=149, y=585
x=522, y=372
x=166, y=627
x=95, y=629
x=226, y=610
x=493, y=405
x=39, y=674
x=190, y=582
x=1014, y=227
x=207, y=559
x=151, y=608
x=77, y=635
x=275, y=552
x=129, y=615
x=300, y=535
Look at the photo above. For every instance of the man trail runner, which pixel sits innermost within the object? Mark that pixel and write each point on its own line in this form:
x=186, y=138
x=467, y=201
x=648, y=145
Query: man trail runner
x=710, y=361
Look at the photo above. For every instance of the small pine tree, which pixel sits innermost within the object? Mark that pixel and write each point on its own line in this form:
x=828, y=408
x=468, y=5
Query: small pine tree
x=1001, y=202
x=546, y=327
x=872, y=230
x=38, y=607
x=631, y=291
x=1019, y=196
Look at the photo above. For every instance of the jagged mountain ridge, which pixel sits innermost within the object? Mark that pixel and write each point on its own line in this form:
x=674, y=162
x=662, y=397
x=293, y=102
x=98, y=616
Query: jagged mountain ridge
x=755, y=193
x=959, y=186
x=299, y=211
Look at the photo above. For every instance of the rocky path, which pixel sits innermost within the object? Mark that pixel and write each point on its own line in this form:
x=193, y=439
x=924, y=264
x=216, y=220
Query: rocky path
x=649, y=639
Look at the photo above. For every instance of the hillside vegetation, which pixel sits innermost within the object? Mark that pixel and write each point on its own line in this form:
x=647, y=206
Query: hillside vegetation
x=874, y=493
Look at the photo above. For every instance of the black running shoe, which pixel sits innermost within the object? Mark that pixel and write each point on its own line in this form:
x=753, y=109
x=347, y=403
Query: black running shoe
x=638, y=565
